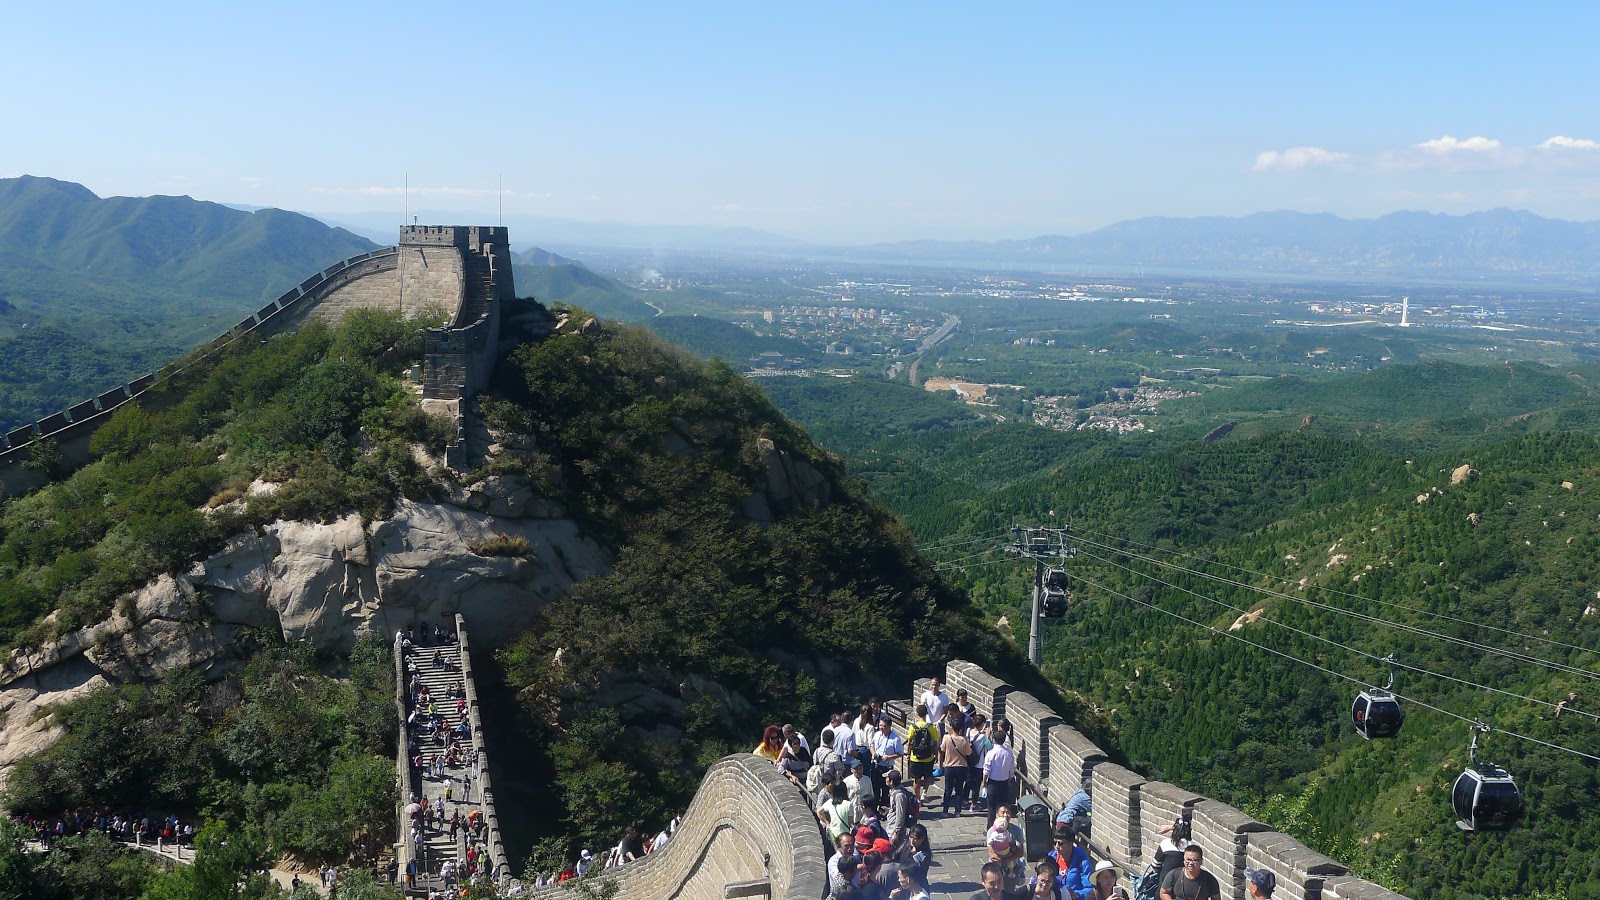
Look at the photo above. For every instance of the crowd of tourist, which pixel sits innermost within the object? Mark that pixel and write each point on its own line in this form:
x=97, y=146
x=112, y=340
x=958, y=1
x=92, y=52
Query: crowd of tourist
x=134, y=828
x=440, y=750
x=871, y=814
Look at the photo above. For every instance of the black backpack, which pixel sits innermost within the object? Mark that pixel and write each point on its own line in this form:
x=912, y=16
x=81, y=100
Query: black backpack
x=922, y=741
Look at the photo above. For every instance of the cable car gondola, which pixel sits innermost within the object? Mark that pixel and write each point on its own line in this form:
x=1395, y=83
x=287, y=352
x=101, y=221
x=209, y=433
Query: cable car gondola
x=1376, y=712
x=1055, y=600
x=1485, y=796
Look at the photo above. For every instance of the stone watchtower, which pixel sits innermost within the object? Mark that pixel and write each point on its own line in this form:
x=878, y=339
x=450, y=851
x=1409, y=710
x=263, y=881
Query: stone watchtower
x=466, y=272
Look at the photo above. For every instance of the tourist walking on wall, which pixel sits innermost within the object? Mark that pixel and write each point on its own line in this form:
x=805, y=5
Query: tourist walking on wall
x=1191, y=882
x=999, y=766
x=1261, y=883
x=955, y=754
x=922, y=745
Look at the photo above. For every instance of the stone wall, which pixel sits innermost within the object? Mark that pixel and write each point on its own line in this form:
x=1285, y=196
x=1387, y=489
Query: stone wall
x=746, y=823
x=492, y=838
x=1054, y=758
x=438, y=264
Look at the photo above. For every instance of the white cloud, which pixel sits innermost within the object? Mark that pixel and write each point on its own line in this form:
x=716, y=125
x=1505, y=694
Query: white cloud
x=1297, y=158
x=1562, y=142
x=1448, y=144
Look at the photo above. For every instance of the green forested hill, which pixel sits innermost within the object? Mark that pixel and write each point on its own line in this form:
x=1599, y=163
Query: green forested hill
x=734, y=345
x=874, y=408
x=1328, y=513
x=1431, y=391
x=1330, y=519
x=97, y=291
x=574, y=284
x=654, y=453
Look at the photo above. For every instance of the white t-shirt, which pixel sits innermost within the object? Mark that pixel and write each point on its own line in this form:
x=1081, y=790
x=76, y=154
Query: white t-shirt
x=936, y=704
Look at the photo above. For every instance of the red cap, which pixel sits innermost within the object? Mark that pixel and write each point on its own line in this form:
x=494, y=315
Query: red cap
x=865, y=836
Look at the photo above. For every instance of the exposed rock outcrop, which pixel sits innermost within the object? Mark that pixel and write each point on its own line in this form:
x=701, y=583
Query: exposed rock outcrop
x=787, y=483
x=315, y=582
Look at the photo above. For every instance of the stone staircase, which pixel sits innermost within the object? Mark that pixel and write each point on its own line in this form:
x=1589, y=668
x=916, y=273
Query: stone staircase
x=479, y=278
x=439, y=666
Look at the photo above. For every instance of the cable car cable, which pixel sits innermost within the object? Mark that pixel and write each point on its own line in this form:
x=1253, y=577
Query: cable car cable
x=952, y=564
x=944, y=545
x=1281, y=580
x=1324, y=669
x=1511, y=654
x=1317, y=637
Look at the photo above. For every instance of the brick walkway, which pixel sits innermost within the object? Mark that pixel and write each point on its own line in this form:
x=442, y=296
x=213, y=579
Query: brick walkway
x=958, y=849
x=437, y=845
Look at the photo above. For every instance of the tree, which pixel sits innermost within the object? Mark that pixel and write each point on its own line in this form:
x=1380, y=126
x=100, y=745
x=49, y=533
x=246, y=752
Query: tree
x=228, y=865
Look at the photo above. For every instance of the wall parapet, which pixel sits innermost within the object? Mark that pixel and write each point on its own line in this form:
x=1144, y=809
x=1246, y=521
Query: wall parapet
x=491, y=835
x=746, y=824
x=1128, y=811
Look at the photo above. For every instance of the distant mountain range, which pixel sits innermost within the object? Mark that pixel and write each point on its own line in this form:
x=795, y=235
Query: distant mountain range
x=1496, y=242
x=199, y=248
x=538, y=256
x=549, y=231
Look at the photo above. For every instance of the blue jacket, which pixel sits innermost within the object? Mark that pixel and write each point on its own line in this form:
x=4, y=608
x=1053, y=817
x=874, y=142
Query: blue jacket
x=1079, y=804
x=1077, y=874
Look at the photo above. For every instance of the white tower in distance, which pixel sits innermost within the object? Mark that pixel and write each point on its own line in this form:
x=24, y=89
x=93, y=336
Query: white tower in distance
x=1405, y=310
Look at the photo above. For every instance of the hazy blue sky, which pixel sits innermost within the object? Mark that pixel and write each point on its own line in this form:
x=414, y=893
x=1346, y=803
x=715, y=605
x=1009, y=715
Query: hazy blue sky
x=851, y=122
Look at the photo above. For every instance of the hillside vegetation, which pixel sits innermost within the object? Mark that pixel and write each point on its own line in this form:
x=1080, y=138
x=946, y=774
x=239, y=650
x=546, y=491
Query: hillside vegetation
x=97, y=291
x=717, y=339
x=734, y=601
x=711, y=624
x=1365, y=517
x=571, y=283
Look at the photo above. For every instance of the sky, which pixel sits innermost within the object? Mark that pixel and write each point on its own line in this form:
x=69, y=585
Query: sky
x=833, y=123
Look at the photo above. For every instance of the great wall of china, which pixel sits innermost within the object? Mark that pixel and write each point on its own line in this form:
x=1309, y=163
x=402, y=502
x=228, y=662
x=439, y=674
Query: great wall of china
x=750, y=833
x=462, y=273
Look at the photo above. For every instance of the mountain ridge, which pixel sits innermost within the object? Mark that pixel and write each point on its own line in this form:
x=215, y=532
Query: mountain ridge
x=1498, y=241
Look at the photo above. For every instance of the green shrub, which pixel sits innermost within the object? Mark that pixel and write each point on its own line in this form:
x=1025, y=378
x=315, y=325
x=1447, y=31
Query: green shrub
x=503, y=545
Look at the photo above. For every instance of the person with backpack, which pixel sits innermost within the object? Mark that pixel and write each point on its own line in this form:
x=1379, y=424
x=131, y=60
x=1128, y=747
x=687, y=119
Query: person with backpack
x=978, y=737
x=835, y=813
x=822, y=762
x=902, y=811
x=1076, y=813
x=922, y=746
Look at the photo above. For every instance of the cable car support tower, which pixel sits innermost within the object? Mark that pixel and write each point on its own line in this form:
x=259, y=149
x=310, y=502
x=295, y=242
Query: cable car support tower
x=1040, y=544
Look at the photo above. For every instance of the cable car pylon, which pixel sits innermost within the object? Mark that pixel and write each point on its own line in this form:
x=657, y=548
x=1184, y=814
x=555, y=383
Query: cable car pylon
x=1040, y=544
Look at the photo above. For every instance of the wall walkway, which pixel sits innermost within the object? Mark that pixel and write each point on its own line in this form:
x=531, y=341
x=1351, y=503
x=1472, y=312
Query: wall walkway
x=748, y=831
x=470, y=786
x=1055, y=759
x=71, y=429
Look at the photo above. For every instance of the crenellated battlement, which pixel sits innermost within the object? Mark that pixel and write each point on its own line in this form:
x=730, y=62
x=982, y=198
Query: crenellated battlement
x=473, y=238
